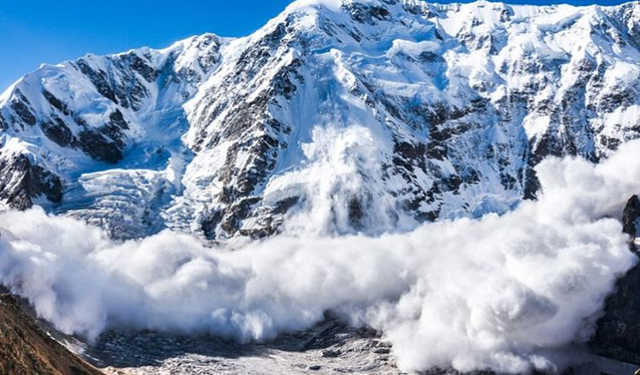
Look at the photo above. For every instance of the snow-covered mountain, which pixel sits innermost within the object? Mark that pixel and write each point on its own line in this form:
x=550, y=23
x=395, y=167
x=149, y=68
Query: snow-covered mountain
x=338, y=116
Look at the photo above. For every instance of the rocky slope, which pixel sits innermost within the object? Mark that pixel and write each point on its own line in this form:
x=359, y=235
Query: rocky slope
x=618, y=329
x=332, y=346
x=328, y=348
x=25, y=349
x=388, y=112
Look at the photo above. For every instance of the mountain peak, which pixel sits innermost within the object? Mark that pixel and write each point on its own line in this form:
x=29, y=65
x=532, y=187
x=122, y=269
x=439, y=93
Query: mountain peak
x=224, y=135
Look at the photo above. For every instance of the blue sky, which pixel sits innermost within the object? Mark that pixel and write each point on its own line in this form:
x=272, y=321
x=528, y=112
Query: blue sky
x=38, y=31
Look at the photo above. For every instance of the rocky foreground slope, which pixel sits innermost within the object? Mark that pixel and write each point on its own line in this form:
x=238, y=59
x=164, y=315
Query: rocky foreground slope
x=417, y=111
x=25, y=349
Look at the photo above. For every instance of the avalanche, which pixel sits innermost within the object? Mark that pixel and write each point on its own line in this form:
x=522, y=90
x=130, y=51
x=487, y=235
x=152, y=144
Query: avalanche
x=511, y=293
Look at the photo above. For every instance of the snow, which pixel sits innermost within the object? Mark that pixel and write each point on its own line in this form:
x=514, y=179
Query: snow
x=527, y=285
x=536, y=126
x=622, y=72
x=333, y=5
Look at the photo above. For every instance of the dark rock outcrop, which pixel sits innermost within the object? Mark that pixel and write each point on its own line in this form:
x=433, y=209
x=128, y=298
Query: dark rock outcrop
x=21, y=181
x=630, y=217
x=618, y=331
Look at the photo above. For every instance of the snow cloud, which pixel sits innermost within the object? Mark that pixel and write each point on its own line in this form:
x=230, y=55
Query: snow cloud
x=504, y=292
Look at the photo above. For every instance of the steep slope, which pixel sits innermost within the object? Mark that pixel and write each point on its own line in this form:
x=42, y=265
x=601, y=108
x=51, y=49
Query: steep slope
x=27, y=350
x=617, y=332
x=99, y=137
x=335, y=117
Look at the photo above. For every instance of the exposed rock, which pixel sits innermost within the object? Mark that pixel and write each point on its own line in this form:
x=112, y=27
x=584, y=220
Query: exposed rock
x=56, y=130
x=140, y=66
x=367, y=13
x=99, y=80
x=25, y=349
x=21, y=181
x=618, y=331
x=56, y=103
x=21, y=107
x=98, y=147
x=630, y=217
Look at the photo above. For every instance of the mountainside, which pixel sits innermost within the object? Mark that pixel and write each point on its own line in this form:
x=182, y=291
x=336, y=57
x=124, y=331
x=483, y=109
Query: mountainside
x=25, y=349
x=338, y=116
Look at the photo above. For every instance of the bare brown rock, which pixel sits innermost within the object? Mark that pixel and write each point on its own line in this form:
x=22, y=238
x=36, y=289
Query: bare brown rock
x=25, y=349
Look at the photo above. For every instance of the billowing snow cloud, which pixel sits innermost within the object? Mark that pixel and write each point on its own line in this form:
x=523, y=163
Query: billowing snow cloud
x=506, y=292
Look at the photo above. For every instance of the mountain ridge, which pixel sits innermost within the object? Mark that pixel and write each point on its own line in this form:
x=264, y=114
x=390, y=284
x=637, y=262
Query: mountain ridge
x=220, y=136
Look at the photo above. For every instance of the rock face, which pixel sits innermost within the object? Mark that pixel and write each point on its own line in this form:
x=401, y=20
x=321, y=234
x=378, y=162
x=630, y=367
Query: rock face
x=388, y=112
x=21, y=181
x=26, y=350
x=630, y=218
x=618, y=331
